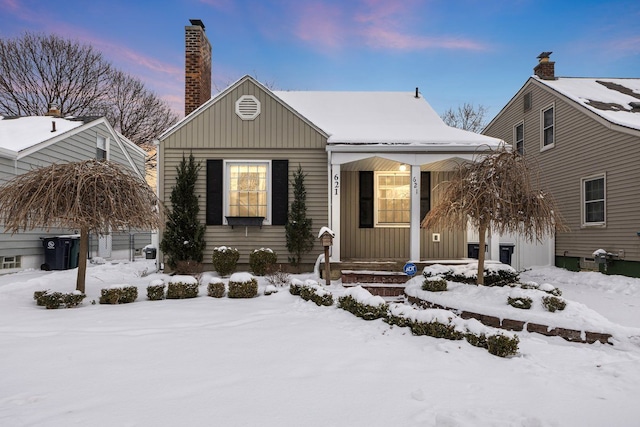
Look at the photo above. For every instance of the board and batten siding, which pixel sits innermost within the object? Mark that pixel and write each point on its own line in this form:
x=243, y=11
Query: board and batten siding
x=277, y=133
x=392, y=242
x=584, y=147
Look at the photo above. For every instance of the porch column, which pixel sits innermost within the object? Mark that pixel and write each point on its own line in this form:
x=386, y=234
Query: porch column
x=414, y=228
x=334, y=218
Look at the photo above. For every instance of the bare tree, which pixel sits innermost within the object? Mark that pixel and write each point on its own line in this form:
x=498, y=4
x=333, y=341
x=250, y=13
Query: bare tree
x=38, y=70
x=466, y=117
x=93, y=196
x=497, y=193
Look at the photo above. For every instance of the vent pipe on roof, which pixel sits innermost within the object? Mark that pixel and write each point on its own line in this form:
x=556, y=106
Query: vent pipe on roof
x=53, y=126
x=417, y=94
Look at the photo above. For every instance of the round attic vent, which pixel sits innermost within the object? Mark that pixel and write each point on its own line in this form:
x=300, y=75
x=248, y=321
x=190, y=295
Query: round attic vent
x=247, y=107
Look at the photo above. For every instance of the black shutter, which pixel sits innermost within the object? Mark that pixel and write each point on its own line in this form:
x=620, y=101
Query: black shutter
x=214, y=191
x=366, y=199
x=280, y=191
x=425, y=194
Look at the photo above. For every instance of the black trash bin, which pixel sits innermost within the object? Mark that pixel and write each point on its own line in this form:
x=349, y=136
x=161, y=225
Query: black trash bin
x=60, y=252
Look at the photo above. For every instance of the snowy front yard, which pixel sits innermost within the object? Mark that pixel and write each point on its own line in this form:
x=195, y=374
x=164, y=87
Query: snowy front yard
x=278, y=360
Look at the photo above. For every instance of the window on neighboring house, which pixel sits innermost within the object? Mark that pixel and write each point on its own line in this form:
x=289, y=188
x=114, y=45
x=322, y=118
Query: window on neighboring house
x=247, y=189
x=594, y=200
x=393, y=199
x=518, y=137
x=101, y=148
x=548, y=127
x=8, y=262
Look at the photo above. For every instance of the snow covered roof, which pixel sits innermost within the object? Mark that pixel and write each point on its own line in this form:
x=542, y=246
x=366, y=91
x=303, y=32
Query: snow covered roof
x=609, y=98
x=20, y=133
x=397, y=118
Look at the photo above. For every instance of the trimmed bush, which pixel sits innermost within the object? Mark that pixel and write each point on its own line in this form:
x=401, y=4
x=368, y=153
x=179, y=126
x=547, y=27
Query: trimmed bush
x=182, y=290
x=225, y=260
x=520, y=302
x=553, y=303
x=476, y=340
x=54, y=300
x=502, y=345
x=492, y=276
x=434, y=284
x=118, y=295
x=262, y=260
x=316, y=294
x=436, y=329
x=216, y=288
x=365, y=311
x=243, y=287
x=270, y=289
x=155, y=290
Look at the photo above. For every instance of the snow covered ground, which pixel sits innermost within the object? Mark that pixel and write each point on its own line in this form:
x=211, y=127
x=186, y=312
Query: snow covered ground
x=280, y=361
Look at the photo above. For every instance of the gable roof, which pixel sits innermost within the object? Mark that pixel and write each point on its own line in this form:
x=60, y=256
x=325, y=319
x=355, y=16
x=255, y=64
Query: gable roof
x=608, y=98
x=21, y=136
x=370, y=118
x=365, y=118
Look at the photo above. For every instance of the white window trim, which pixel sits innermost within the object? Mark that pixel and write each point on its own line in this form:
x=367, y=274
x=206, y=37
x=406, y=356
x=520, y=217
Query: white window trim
x=106, y=145
x=227, y=180
x=16, y=262
x=515, y=133
x=555, y=128
x=377, y=224
x=583, y=201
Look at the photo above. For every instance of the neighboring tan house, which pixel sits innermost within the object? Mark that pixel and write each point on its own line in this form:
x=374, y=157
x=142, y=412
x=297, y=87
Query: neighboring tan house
x=27, y=143
x=584, y=135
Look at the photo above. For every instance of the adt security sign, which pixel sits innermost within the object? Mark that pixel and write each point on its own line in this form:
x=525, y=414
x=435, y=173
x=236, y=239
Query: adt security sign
x=410, y=269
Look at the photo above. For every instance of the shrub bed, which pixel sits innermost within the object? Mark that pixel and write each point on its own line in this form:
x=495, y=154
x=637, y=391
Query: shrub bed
x=242, y=285
x=359, y=302
x=54, y=300
x=225, y=260
x=118, y=294
x=494, y=274
x=262, y=260
x=316, y=294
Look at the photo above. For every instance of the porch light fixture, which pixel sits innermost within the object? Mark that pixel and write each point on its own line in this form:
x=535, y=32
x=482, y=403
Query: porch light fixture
x=403, y=167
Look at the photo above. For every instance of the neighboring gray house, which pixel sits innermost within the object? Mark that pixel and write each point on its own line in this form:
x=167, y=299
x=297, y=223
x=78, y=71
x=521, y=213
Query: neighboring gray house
x=584, y=134
x=32, y=142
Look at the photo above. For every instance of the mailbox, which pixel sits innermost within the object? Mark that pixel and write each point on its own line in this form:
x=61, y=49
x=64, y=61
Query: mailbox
x=327, y=239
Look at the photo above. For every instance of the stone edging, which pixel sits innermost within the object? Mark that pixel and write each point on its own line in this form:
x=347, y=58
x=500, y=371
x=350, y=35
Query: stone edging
x=572, y=335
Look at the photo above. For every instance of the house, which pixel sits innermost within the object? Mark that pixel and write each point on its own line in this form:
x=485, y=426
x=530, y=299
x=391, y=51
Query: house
x=32, y=142
x=584, y=135
x=373, y=163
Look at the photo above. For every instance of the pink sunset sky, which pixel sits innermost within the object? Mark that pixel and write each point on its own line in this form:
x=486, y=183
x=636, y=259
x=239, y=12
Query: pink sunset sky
x=455, y=51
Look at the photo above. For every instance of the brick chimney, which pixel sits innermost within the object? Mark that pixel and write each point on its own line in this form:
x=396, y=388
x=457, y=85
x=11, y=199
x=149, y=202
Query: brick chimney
x=545, y=68
x=197, y=64
x=54, y=111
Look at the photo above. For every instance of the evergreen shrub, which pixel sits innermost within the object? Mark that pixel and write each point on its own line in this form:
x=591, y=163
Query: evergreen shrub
x=243, y=289
x=434, y=284
x=225, y=260
x=520, y=302
x=553, y=303
x=262, y=260
x=436, y=329
x=316, y=294
x=155, y=290
x=216, y=288
x=118, y=295
x=365, y=311
x=53, y=300
x=502, y=345
x=182, y=290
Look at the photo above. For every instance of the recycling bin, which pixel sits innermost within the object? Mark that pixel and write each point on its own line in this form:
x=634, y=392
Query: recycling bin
x=60, y=252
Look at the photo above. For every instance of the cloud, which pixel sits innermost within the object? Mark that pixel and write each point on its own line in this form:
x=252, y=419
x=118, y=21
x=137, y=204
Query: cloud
x=376, y=24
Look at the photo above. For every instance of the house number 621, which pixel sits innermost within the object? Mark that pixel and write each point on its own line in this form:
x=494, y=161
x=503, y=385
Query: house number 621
x=336, y=183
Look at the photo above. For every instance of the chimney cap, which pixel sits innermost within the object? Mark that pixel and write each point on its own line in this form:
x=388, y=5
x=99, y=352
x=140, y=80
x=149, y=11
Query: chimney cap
x=197, y=22
x=544, y=56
